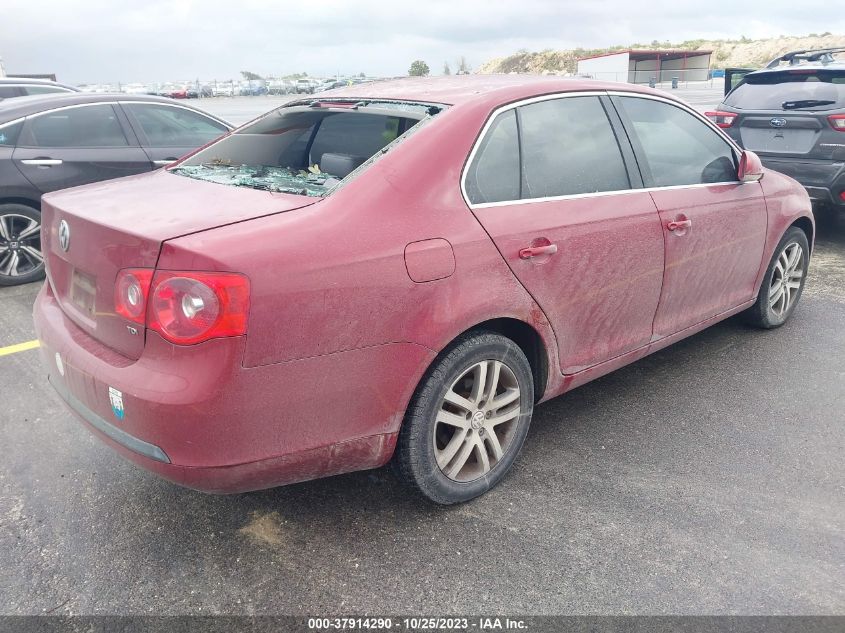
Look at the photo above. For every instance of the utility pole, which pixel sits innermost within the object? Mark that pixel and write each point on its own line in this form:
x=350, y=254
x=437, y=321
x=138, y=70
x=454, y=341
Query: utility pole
x=2, y=70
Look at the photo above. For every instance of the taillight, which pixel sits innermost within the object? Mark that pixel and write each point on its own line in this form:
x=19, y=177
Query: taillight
x=130, y=293
x=837, y=122
x=722, y=119
x=185, y=307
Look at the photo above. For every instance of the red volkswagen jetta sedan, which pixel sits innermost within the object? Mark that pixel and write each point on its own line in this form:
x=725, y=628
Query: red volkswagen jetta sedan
x=402, y=270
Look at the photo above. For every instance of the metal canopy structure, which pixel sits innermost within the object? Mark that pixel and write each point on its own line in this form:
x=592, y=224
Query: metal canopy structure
x=640, y=66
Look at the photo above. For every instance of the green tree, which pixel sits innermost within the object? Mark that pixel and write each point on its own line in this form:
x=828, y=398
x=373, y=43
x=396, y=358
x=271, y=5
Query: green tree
x=418, y=69
x=250, y=75
x=463, y=67
x=446, y=69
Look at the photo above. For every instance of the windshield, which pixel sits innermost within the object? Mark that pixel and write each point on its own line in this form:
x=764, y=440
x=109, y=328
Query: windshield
x=790, y=90
x=301, y=150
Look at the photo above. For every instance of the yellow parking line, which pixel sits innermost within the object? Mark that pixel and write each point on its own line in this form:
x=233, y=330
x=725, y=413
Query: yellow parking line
x=20, y=347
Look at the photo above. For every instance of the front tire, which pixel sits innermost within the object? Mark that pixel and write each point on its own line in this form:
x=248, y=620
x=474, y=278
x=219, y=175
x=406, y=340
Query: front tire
x=467, y=420
x=783, y=283
x=21, y=259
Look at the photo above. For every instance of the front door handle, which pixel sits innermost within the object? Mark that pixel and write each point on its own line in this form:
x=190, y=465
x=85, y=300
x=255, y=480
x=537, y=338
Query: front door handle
x=536, y=251
x=679, y=225
x=166, y=161
x=42, y=162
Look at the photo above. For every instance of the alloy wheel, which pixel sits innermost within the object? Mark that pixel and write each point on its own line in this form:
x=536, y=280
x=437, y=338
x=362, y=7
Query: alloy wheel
x=477, y=421
x=786, y=279
x=20, y=245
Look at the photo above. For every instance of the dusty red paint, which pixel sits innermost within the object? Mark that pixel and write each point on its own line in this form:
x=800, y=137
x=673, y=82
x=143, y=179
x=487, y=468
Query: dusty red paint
x=710, y=267
x=601, y=288
x=353, y=295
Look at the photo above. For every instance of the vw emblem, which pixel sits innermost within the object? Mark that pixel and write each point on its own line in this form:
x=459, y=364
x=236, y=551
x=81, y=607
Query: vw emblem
x=777, y=122
x=64, y=235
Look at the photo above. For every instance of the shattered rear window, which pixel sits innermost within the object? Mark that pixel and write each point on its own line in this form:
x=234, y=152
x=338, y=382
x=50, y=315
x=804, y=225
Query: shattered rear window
x=303, y=150
x=265, y=177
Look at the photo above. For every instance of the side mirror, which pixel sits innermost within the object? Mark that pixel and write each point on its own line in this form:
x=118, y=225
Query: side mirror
x=750, y=167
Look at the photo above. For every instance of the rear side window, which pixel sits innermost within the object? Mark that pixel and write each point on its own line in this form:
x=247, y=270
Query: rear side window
x=169, y=126
x=9, y=134
x=7, y=92
x=86, y=126
x=820, y=89
x=493, y=175
x=678, y=148
x=568, y=147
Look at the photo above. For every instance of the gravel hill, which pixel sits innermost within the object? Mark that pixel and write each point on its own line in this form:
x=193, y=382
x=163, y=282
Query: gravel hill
x=726, y=53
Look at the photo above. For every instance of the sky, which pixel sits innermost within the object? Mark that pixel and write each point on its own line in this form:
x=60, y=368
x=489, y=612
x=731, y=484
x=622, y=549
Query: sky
x=98, y=41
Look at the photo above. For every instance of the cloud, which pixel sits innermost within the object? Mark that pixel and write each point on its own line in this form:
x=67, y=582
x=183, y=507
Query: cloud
x=104, y=41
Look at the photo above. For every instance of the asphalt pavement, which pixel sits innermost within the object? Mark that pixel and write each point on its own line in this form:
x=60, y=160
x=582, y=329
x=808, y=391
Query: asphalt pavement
x=705, y=479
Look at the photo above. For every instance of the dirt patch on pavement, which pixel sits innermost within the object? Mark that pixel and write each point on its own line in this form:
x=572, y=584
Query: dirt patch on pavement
x=264, y=528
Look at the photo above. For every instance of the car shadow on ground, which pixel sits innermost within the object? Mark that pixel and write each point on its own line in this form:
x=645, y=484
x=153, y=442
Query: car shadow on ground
x=830, y=227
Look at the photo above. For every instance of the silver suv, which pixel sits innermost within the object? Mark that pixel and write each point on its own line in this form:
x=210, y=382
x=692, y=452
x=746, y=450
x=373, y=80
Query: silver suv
x=792, y=115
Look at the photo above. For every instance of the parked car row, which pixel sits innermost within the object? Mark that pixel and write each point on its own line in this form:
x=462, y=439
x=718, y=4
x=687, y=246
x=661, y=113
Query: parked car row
x=184, y=89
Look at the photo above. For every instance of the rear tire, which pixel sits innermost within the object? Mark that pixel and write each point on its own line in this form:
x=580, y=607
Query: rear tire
x=783, y=282
x=467, y=420
x=21, y=259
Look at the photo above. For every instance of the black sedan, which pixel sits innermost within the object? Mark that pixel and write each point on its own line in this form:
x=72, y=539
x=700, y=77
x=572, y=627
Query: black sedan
x=57, y=141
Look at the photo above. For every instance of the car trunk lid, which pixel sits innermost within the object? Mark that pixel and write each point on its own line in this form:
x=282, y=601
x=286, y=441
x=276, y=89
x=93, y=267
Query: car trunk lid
x=90, y=233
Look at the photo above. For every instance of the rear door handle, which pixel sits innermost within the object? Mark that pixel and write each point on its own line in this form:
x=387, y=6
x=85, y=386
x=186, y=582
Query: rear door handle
x=42, y=162
x=678, y=225
x=535, y=251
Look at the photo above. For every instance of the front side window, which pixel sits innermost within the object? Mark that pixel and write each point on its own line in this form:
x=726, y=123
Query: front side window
x=83, y=126
x=678, y=148
x=169, y=126
x=493, y=175
x=568, y=147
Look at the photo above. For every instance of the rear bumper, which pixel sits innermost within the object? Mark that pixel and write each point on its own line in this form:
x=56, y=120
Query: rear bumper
x=195, y=416
x=824, y=180
x=343, y=457
x=109, y=430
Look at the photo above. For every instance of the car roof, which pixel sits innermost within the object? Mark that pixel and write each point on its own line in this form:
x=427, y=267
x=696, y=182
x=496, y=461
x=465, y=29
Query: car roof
x=19, y=107
x=834, y=65
x=29, y=81
x=32, y=80
x=459, y=89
